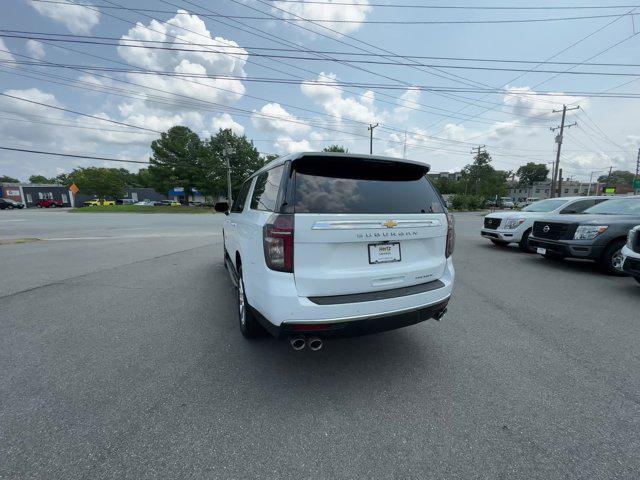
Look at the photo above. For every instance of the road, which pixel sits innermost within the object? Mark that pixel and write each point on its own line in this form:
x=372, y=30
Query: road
x=120, y=358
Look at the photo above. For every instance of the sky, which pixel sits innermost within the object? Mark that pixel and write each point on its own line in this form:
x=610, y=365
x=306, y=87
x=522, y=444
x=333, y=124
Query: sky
x=299, y=75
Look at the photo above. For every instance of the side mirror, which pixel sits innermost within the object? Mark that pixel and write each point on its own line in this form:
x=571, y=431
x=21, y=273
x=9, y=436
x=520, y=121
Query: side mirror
x=222, y=207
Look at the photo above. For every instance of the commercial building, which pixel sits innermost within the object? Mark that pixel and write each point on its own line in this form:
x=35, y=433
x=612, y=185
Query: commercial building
x=131, y=194
x=542, y=190
x=452, y=176
x=31, y=193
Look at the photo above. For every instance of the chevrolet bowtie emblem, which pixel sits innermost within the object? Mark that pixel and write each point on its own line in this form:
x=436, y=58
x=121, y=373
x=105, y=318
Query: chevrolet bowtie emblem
x=390, y=223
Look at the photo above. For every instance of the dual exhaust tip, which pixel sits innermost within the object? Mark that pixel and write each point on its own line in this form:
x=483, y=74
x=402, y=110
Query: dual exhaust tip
x=299, y=342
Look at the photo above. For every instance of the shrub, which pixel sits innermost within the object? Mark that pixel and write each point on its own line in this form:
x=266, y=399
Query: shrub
x=468, y=202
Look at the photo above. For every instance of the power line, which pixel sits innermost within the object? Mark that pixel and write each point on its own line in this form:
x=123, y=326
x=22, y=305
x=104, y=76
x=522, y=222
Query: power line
x=463, y=67
x=71, y=155
x=158, y=44
x=359, y=22
x=451, y=7
x=555, y=55
x=382, y=86
x=78, y=113
x=286, y=42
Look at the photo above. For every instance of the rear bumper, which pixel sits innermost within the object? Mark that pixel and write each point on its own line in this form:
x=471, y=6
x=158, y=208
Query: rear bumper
x=631, y=263
x=279, y=308
x=354, y=328
x=569, y=248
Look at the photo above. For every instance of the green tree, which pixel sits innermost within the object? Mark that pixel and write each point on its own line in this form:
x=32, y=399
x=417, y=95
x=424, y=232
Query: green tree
x=480, y=178
x=336, y=149
x=445, y=185
x=144, y=178
x=617, y=177
x=41, y=179
x=101, y=182
x=178, y=161
x=7, y=179
x=244, y=160
x=64, y=179
x=532, y=172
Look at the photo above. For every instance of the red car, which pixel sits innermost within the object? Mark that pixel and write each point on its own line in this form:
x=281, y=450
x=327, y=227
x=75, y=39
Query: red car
x=49, y=203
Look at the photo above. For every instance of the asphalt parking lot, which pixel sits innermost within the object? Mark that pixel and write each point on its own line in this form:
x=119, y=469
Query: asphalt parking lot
x=120, y=358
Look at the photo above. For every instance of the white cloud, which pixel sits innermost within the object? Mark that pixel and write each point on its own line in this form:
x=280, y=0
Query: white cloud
x=525, y=101
x=275, y=119
x=35, y=49
x=285, y=144
x=360, y=109
x=5, y=53
x=225, y=121
x=407, y=104
x=197, y=63
x=78, y=19
x=355, y=10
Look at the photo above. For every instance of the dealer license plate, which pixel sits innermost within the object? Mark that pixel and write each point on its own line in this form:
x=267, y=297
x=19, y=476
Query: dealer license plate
x=384, y=252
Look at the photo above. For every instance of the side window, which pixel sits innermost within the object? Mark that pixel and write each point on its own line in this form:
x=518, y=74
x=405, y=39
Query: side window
x=578, y=207
x=266, y=190
x=238, y=205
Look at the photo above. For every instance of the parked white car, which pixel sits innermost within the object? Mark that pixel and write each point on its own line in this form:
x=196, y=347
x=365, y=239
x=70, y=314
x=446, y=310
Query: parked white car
x=326, y=244
x=503, y=228
x=631, y=254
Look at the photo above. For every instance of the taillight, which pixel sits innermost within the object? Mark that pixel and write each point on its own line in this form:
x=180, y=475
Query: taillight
x=451, y=235
x=277, y=237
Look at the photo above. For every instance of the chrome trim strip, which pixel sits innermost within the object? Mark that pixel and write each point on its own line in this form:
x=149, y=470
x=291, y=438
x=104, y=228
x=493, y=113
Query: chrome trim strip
x=373, y=224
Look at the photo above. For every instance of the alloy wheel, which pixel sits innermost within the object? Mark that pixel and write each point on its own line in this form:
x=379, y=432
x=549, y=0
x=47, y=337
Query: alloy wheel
x=617, y=260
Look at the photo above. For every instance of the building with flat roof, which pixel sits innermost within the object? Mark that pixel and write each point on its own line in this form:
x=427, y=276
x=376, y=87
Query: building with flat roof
x=542, y=190
x=31, y=193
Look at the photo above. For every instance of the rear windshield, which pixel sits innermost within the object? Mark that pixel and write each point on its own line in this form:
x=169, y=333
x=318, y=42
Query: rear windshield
x=347, y=185
x=620, y=206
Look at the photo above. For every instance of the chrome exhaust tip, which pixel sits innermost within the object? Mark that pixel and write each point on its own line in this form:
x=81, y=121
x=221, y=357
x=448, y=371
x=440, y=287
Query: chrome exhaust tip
x=440, y=315
x=297, y=342
x=315, y=343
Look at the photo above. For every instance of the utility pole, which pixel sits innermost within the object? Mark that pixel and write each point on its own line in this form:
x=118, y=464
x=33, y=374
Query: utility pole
x=226, y=152
x=477, y=151
x=371, y=128
x=404, y=147
x=636, y=177
x=561, y=127
x=560, y=184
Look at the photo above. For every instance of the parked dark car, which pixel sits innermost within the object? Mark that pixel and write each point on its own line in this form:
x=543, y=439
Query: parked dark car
x=49, y=203
x=599, y=233
x=8, y=204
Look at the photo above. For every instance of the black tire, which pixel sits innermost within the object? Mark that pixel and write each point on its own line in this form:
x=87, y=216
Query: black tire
x=524, y=242
x=249, y=326
x=499, y=243
x=637, y=279
x=610, y=261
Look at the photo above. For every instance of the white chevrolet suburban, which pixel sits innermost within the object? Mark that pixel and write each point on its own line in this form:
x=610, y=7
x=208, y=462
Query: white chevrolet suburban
x=503, y=228
x=326, y=244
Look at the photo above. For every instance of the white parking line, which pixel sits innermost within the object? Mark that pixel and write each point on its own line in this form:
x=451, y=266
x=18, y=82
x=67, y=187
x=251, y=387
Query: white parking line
x=115, y=237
